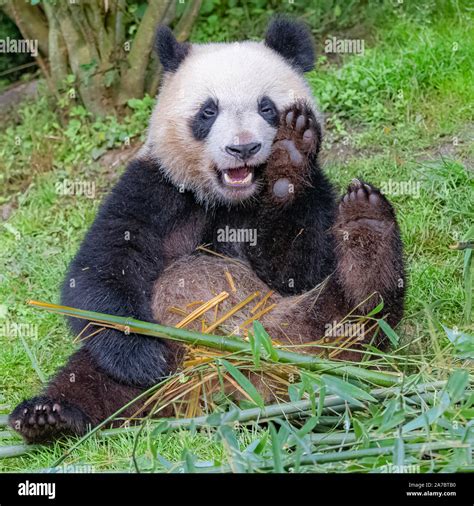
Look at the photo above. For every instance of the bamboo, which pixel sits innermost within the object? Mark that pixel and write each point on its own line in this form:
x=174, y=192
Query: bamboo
x=15, y=450
x=324, y=458
x=199, y=311
x=232, y=311
x=227, y=344
x=332, y=403
x=338, y=456
x=261, y=302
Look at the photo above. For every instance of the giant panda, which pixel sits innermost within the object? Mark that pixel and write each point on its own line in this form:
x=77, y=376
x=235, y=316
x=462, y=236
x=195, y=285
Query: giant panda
x=232, y=144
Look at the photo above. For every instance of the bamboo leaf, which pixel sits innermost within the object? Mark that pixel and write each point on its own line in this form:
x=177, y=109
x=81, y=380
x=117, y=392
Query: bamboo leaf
x=389, y=332
x=249, y=388
x=457, y=384
x=360, y=432
x=276, y=450
x=428, y=417
x=264, y=340
x=346, y=390
x=376, y=309
x=33, y=360
x=255, y=349
x=467, y=277
x=463, y=343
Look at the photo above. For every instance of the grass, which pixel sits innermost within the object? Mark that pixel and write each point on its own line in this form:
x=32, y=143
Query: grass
x=400, y=113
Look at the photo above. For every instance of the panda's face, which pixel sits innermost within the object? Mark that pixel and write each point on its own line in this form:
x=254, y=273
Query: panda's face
x=217, y=115
x=237, y=133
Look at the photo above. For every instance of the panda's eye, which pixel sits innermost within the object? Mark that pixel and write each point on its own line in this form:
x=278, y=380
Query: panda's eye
x=268, y=111
x=209, y=109
x=208, y=113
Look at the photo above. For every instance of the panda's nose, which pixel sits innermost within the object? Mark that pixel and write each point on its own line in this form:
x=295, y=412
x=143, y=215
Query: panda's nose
x=243, y=151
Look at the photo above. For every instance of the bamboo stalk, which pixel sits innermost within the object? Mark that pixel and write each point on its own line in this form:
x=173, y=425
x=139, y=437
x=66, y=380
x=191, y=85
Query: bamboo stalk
x=15, y=450
x=228, y=344
x=3, y=420
x=338, y=456
x=324, y=458
x=331, y=404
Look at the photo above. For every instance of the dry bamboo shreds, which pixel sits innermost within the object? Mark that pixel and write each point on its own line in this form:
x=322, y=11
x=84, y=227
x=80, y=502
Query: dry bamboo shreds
x=231, y=312
x=177, y=310
x=80, y=337
x=195, y=303
x=261, y=302
x=230, y=280
x=198, y=312
x=257, y=316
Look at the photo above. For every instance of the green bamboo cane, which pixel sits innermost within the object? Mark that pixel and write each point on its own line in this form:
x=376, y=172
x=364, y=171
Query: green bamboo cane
x=15, y=450
x=3, y=420
x=324, y=458
x=225, y=343
x=332, y=403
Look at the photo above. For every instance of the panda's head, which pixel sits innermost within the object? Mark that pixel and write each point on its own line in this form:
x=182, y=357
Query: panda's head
x=219, y=105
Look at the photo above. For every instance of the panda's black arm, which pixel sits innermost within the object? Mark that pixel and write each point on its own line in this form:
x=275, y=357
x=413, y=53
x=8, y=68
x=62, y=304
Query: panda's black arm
x=293, y=250
x=116, y=267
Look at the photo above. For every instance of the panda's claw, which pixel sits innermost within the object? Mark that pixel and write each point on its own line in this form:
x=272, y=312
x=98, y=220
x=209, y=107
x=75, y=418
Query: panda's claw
x=364, y=204
x=300, y=123
x=42, y=420
x=298, y=132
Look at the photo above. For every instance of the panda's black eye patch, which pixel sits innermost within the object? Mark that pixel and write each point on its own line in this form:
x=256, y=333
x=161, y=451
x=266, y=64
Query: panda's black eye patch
x=267, y=109
x=203, y=120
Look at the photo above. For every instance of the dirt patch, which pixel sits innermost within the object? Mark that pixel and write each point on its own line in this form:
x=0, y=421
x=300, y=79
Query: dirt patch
x=17, y=93
x=114, y=159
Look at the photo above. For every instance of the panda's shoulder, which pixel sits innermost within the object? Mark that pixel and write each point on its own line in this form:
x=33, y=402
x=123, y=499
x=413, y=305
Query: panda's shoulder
x=144, y=191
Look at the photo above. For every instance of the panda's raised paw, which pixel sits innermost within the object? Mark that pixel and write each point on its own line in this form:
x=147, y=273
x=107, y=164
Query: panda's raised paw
x=366, y=206
x=298, y=134
x=41, y=419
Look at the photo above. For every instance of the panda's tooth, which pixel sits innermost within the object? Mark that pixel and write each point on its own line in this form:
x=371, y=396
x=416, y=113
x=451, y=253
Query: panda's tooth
x=247, y=178
x=237, y=182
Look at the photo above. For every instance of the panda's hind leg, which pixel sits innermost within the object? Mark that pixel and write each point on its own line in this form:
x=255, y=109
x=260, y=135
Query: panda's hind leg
x=369, y=251
x=80, y=396
x=42, y=419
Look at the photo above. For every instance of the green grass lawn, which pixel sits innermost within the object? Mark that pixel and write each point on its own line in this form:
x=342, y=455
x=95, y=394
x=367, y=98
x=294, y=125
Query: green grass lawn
x=399, y=116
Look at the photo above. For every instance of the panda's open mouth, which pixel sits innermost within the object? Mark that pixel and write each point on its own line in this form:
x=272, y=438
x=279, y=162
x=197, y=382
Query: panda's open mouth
x=238, y=177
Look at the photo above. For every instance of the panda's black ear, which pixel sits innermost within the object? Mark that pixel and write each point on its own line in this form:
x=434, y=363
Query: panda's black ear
x=170, y=52
x=292, y=40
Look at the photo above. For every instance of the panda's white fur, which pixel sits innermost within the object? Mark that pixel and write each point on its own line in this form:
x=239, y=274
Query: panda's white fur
x=236, y=75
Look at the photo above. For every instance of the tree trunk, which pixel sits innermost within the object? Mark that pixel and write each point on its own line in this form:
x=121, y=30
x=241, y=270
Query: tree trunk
x=87, y=38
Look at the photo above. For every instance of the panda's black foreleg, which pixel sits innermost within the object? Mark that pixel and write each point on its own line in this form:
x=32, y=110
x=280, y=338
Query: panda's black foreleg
x=369, y=251
x=78, y=397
